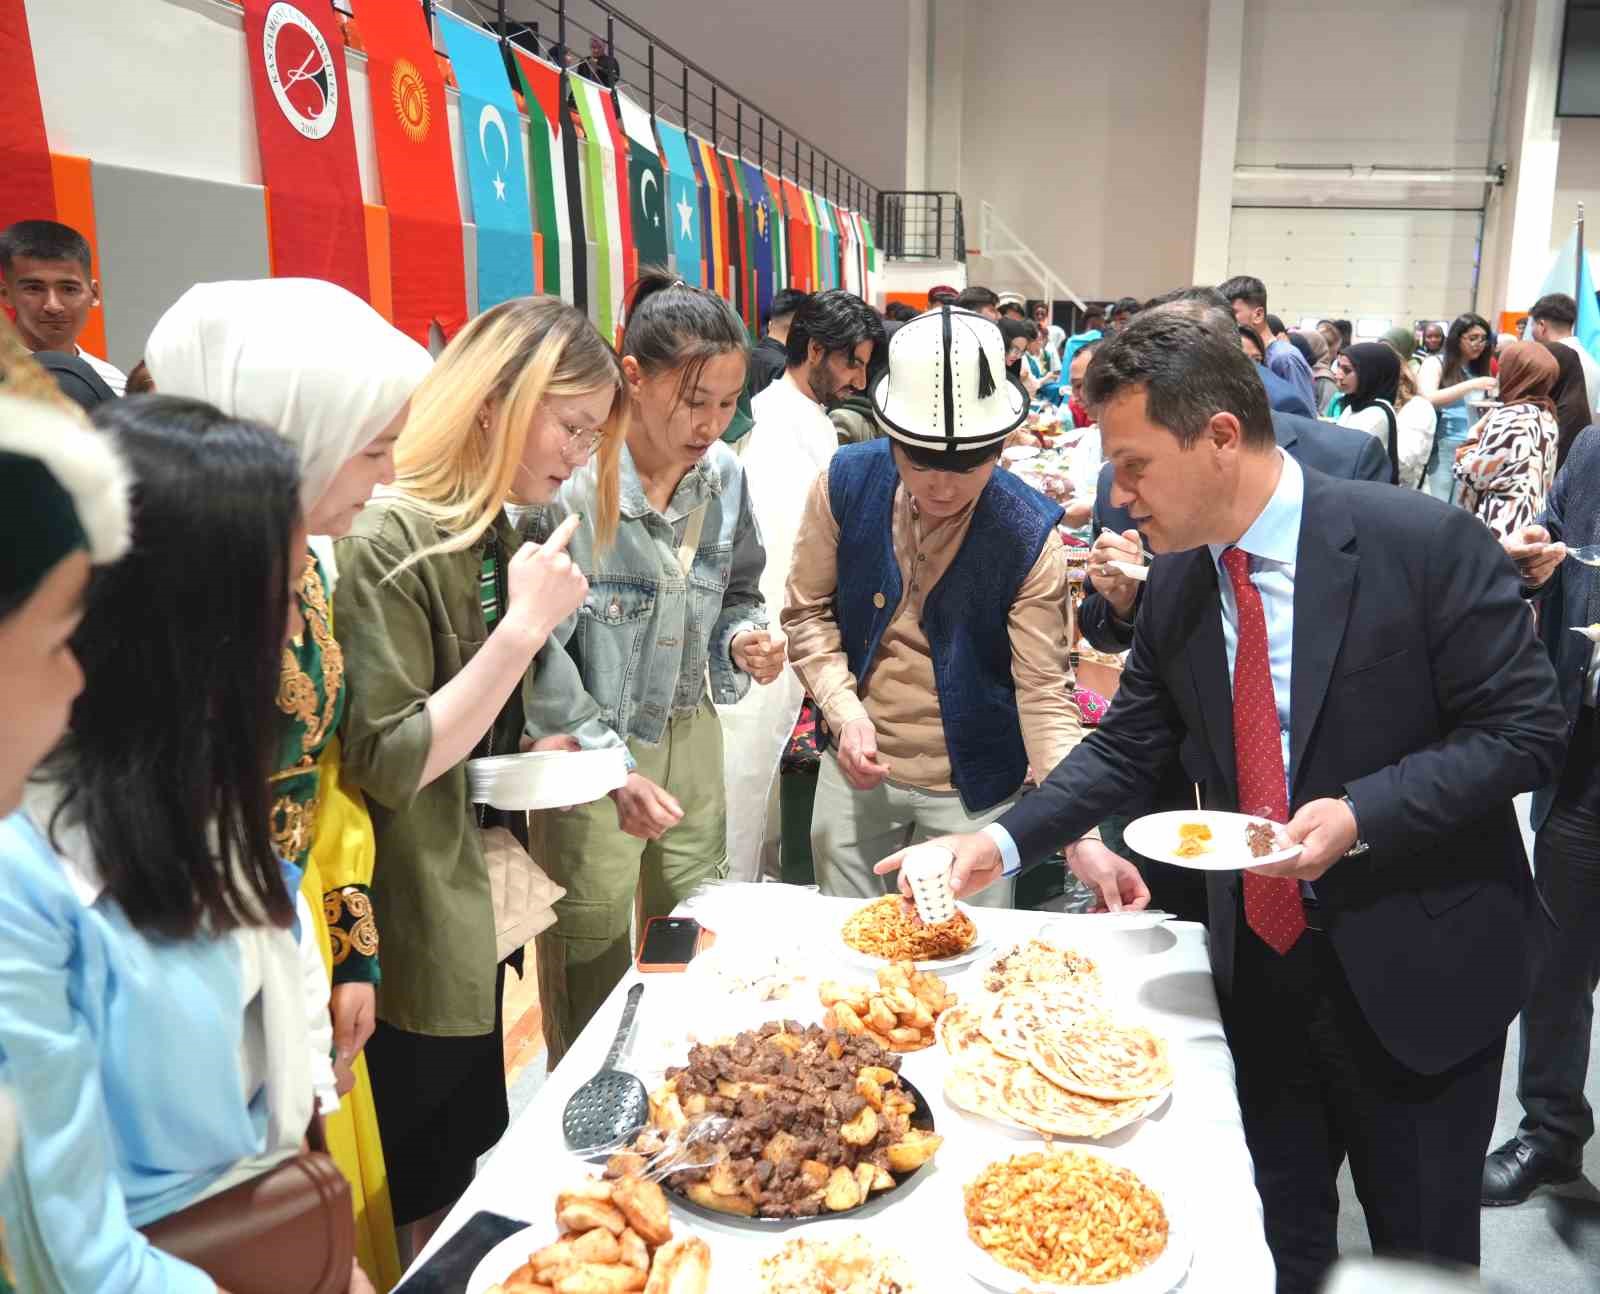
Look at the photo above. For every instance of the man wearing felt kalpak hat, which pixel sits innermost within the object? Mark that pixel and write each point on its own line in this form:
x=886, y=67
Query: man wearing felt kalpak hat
x=927, y=611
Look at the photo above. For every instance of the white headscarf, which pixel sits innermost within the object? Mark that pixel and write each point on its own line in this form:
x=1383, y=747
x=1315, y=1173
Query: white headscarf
x=306, y=357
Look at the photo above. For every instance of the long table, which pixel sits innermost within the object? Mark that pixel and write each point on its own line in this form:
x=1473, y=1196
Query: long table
x=1196, y=1142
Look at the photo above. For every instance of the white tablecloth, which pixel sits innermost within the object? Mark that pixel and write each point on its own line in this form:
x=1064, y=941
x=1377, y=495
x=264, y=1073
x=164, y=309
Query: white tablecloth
x=1195, y=1144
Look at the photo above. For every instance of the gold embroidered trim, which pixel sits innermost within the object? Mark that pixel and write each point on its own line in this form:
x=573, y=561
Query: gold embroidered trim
x=362, y=935
x=297, y=694
x=292, y=822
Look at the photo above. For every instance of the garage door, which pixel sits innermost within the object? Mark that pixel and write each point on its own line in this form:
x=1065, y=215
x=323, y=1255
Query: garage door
x=1375, y=267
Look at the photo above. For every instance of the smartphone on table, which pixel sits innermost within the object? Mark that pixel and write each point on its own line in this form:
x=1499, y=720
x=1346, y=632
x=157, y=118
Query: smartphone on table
x=670, y=943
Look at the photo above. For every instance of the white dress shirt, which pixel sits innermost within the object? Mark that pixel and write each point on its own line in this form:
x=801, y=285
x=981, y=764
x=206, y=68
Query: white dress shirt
x=1273, y=544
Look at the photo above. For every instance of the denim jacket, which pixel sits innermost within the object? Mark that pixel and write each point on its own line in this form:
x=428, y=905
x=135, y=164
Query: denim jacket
x=636, y=652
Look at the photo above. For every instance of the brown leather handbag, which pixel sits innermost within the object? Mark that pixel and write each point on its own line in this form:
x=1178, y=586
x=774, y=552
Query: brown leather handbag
x=290, y=1231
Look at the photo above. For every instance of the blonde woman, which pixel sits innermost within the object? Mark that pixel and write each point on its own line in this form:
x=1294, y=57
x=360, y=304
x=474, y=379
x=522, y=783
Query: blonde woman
x=674, y=620
x=440, y=610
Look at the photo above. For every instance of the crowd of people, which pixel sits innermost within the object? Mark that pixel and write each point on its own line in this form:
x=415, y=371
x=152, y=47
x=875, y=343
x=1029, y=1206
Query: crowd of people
x=260, y=612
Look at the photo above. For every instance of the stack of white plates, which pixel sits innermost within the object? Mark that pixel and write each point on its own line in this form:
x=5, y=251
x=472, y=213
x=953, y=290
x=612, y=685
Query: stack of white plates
x=546, y=779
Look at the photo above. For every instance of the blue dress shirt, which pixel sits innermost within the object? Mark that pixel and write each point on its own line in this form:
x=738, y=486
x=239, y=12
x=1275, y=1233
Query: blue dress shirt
x=123, y=1054
x=1273, y=543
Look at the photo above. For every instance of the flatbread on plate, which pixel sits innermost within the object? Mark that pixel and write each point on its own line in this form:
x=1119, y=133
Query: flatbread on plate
x=1104, y=1060
x=1016, y=1017
x=1033, y=1100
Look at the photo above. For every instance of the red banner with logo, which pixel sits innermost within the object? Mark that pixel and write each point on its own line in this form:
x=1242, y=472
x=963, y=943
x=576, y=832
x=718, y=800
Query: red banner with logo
x=26, y=189
x=419, y=183
x=301, y=90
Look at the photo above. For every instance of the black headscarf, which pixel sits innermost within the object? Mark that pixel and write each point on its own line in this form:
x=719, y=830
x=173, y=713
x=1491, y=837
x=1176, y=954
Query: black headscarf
x=1377, y=374
x=1377, y=379
x=1570, y=395
x=77, y=379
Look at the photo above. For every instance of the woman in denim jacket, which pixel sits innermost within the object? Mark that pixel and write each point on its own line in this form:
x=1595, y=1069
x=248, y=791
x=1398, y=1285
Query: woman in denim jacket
x=674, y=620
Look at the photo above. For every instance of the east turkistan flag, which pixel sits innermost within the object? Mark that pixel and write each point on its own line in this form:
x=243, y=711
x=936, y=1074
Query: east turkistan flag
x=683, y=203
x=490, y=127
x=647, y=185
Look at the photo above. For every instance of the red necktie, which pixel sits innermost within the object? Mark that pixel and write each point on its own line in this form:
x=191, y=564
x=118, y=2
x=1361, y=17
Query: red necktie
x=1272, y=906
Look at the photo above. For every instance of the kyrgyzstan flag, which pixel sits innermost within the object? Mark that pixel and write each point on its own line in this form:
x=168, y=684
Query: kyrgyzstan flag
x=27, y=191
x=419, y=182
x=308, y=145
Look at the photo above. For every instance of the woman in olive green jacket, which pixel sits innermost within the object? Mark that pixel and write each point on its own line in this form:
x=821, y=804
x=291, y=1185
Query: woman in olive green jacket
x=440, y=610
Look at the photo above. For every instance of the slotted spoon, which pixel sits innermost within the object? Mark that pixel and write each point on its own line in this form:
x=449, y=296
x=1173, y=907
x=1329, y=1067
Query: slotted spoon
x=613, y=1105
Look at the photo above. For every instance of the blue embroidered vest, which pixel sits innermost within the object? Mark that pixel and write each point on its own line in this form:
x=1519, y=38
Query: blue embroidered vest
x=964, y=616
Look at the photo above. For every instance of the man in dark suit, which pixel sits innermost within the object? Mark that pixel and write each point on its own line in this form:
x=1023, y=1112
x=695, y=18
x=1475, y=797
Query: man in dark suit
x=1357, y=664
x=1559, y=1015
x=1107, y=613
x=1106, y=618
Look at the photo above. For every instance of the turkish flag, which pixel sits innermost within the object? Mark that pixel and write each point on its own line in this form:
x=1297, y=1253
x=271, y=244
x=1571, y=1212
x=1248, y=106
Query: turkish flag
x=419, y=181
x=26, y=189
x=308, y=144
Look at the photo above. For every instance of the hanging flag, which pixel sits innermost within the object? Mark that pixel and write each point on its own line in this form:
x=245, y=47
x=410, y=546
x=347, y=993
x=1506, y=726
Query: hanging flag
x=848, y=278
x=764, y=221
x=604, y=219
x=779, y=231
x=1569, y=274
x=829, y=246
x=619, y=151
x=738, y=237
x=301, y=91
x=802, y=265
x=419, y=181
x=715, y=208
x=27, y=192
x=495, y=175
x=541, y=95
x=683, y=203
x=646, y=185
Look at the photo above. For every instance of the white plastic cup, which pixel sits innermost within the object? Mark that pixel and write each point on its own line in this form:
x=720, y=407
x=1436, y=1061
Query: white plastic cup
x=927, y=871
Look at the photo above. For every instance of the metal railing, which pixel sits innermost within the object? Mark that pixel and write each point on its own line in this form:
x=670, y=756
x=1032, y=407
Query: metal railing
x=921, y=225
x=669, y=83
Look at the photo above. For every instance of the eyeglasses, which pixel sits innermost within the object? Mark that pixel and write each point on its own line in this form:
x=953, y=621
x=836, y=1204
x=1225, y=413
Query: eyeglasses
x=581, y=442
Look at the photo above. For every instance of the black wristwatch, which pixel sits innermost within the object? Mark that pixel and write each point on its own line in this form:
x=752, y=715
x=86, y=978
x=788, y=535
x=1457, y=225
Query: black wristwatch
x=1361, y=846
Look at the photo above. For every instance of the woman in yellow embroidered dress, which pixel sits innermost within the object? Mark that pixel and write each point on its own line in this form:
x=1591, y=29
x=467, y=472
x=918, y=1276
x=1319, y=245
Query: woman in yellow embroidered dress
x=324, y=369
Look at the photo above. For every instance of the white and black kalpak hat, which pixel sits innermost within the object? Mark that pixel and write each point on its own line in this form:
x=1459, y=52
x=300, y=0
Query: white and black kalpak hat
x=947, y=388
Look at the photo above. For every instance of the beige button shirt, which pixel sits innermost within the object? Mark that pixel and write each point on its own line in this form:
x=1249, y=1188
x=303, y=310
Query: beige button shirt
x=902, y=698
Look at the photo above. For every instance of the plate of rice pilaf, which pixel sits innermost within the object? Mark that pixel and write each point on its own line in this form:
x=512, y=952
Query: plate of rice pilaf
x=889, y=930
x=1068, y=1219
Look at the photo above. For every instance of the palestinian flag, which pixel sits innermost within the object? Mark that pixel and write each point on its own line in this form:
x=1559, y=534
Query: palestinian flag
x=555, y=209
x=603, y=219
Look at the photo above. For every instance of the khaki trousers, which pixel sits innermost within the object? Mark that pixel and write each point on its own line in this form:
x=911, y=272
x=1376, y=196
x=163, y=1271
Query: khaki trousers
x=588, y=951
x=851, y=830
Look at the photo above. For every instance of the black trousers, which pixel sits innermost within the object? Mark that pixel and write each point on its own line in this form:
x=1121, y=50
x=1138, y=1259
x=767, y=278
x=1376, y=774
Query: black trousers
x=441, y=1102
x=1316, y=1086
x=1559, y=1013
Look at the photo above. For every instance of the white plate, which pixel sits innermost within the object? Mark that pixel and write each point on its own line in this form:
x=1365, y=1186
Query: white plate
x=1139, y=573
x=943, y=964
x=546, y=779
x=1019, y=453
x=1156, y=836
x=1065, y=927
x=1160, y=1277
x=510, y=1254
